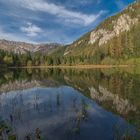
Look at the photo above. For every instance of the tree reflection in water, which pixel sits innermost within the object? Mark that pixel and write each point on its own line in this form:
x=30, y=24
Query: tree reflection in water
x=43, y=101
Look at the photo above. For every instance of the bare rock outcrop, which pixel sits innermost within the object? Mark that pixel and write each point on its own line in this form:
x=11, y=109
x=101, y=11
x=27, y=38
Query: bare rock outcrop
x=123, y=23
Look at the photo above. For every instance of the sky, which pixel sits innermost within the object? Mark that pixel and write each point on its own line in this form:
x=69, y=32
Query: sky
x=59, y=21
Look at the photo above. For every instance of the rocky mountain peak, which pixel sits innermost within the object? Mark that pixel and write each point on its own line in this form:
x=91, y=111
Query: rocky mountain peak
x=22, y=47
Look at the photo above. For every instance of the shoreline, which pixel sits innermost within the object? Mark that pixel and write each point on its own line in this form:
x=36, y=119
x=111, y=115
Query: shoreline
x=73, y=66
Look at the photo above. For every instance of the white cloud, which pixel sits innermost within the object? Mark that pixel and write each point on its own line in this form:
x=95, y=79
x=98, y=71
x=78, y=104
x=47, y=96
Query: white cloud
x=13, y=36
x=48, y=36
x=59, y=11
x=31, y=30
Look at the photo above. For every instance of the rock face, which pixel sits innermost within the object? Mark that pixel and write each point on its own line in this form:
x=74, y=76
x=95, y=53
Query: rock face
x=123, y=23
x=22, y=47
x=16, y=47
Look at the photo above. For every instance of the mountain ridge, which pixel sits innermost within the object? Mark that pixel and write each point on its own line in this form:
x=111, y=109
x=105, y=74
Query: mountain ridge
x=102, y=33
x=23, y=47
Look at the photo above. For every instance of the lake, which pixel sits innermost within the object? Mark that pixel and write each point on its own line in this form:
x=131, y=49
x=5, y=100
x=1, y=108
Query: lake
x=70, y=104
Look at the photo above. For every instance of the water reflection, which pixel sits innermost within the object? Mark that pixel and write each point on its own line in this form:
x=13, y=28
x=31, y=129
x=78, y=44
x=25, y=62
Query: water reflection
x=56, y=104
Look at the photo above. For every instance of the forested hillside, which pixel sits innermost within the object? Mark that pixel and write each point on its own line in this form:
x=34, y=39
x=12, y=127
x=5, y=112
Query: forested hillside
x=115, y=40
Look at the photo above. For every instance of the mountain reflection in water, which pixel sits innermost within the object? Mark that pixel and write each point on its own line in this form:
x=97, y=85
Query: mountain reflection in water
x=69, y=104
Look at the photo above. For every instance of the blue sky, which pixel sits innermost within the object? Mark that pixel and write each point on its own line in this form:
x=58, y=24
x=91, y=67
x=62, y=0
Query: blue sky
x=61, y=21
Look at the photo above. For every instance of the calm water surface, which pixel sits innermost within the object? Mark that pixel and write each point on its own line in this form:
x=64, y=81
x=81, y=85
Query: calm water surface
x=69, y=104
